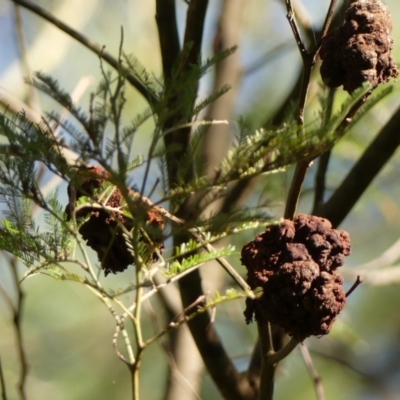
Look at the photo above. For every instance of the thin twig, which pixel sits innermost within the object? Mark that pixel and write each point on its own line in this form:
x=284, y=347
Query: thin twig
x=140, y=345
x=355, y=284
x=319, y=389
x=17, y=318
x=90, y=44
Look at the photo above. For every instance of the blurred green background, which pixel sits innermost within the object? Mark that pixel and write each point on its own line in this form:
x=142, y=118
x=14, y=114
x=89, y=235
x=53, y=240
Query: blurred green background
x=67, y=330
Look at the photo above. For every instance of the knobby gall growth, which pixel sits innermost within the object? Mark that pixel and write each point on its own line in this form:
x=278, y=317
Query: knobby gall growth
x=295, y=263
x=102, y=230
x=360, y=50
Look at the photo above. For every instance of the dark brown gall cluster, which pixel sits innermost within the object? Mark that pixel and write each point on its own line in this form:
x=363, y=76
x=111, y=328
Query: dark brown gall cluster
x=295, y=263
x=360, y=50
x=102, y=231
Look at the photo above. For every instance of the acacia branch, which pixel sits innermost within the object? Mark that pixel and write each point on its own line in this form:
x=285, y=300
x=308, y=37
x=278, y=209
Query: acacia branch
x=88, y=43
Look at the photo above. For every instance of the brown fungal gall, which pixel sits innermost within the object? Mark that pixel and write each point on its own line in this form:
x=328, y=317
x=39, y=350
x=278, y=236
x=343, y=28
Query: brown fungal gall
x=102, y=230
x=359, y=50
x=295, y=263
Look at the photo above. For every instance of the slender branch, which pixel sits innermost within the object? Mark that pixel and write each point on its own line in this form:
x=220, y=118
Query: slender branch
x=88, y=43
x=115, y=344
x=296, y=32
x=319, y=389
x=327, y=23
x=2, y=383
x=137, y=324
x=295, y=188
